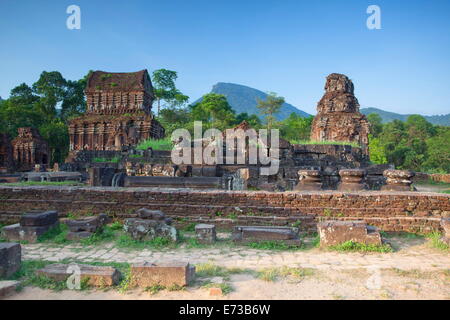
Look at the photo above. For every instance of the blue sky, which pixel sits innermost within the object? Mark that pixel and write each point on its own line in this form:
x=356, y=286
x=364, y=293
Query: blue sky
x=283, y=46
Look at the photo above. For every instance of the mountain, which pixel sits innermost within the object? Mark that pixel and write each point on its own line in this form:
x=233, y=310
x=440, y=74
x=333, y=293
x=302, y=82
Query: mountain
x=443, y=120
x=243, y=99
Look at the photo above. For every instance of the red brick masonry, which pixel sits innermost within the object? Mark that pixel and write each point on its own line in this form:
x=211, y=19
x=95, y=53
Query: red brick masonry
x=390, y=211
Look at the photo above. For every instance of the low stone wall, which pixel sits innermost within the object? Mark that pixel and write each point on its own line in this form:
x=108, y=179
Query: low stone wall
x=437, y=177
x=390, y=211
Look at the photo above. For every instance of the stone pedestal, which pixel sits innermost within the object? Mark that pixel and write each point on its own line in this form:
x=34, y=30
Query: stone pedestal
x=309, y=180
x=205, y=233
x=10, y=258
x=398, y=180
x=86, y=227
x=337, y=232
x=352, y=180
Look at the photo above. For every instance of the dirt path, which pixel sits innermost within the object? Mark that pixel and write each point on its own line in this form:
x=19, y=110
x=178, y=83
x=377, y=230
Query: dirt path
x=414, y=271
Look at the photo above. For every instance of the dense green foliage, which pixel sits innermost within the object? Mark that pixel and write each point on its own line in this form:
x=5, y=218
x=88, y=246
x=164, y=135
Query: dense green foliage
x=415, y=144
x=386, y=116
x=46, y=105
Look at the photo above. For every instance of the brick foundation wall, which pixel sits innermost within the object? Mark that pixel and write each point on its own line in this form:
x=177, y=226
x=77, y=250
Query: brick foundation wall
x=390, y=211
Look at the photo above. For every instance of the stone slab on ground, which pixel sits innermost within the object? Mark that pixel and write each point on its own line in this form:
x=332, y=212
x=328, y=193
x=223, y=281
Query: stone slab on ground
x=8, y=288
x=337, y=232
x=99, y=276
x=10, y=258
x=167, y=274
x=39, y=219
x=75, y=236
x=16, y=232
x=263, y=233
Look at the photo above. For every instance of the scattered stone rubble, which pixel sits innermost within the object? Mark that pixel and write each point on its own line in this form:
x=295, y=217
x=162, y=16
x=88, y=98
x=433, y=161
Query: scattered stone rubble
x=86, y=227
x=10, y=258
x=150, y=224
x=148, y=274
x=337, y=232
x=98, y=276
x=31, y=226
x=288, y=235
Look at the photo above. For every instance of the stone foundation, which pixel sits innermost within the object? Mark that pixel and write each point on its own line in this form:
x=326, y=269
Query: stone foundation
x=390, y=211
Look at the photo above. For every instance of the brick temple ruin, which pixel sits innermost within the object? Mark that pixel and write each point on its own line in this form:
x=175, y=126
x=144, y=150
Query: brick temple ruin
x=30, y=149
x=338, y=117
x=118, y=113
x=6, y=154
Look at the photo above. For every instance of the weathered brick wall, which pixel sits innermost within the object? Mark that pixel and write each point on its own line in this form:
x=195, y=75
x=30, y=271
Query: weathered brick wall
x=391, y=211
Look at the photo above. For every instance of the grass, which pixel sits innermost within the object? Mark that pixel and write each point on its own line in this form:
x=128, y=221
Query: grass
x=44, y=183
x=273, y=274
x=435, y=241
x=111, y=160
x=55, y=235
x=125, y=241
x=403, y=235
x=273, y=245
x=161, y=144
x=58, y=236
x=361, y=247
x=341, y=143
x=157, y=288
x=209, y=270
x=225, y=287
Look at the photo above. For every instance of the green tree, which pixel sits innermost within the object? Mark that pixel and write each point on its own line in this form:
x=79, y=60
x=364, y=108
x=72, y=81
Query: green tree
x=376, y=125
x=270, y=107
x=295, y=127
x=253, y=120
x=56, y=133
x=165, y=90
x=51, y=88
x=215, y=112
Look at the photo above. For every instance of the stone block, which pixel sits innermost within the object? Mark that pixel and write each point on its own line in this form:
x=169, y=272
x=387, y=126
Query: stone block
x=167, y=274
x=8, y=288
x=16, y=232
x=205, y=233
x=39, y=219
x=262, y=233
x=10, y=258
x=145, y=213
x=99, y=276
x=75, y=236
x=89, y=224
x=337, y=232
x=142, y=229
